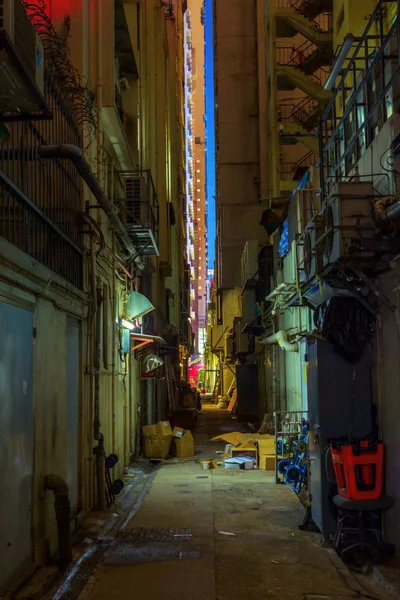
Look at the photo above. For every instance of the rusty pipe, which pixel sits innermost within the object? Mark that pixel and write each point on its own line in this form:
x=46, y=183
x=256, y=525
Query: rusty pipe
x=62, y=507
x=76, y=156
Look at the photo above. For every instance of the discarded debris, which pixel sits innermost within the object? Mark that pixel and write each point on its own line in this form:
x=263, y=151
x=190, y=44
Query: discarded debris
x=274, y=562
x=226, y=533
x=183, y=555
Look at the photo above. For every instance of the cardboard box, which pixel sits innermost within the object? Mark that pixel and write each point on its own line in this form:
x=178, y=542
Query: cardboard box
x=157, y=440
x=266, y=446
x=248, y=449
x=266, y=462
x=160, y=428
x=184, y=445
x=178, y=432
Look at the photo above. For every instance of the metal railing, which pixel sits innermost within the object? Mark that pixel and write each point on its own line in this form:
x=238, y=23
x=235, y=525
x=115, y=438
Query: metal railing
x=293, y=171
x=292, y=56
x=361, y=102
x=40, y=200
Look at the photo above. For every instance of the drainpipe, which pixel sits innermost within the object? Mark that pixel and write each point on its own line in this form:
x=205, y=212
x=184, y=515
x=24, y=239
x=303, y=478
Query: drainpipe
x=99, y=450
x=76, y=156
x=281, y=338
x=63, y=510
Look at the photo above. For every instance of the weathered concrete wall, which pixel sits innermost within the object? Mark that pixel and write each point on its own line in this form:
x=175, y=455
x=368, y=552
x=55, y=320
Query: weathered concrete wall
x=237, y=134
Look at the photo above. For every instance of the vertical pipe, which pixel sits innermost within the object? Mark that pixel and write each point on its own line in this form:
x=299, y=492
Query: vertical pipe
x=99, y=450
x=99, y=87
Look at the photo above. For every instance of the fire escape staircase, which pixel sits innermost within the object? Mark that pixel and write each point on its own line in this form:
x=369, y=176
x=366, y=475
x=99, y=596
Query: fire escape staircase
x=303, y=67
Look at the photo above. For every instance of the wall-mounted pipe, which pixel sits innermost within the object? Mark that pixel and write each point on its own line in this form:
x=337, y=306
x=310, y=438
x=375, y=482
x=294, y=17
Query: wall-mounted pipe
x=280, y=338
x=76, y=156
x=62, y=508
x=99, y=450
x=385, y=215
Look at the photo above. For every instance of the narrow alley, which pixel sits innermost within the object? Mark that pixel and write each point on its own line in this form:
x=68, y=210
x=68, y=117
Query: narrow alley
x=199, y=299
x=217, y=535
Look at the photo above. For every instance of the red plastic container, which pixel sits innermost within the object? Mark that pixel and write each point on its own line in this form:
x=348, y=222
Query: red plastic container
x=359, y=476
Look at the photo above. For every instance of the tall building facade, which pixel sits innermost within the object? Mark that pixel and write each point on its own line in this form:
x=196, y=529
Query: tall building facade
x=196, y=168
x=92, y=257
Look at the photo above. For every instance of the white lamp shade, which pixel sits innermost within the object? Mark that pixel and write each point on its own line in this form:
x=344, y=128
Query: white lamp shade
x=137, y=305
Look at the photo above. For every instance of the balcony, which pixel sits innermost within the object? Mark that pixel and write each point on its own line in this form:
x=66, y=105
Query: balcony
x=140, y=211
x=365, y=97
x=40, y=200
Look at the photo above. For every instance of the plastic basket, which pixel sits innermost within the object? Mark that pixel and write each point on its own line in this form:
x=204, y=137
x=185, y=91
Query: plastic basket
x=359, y=474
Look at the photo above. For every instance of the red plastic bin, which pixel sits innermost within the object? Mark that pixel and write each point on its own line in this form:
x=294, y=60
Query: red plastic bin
x=359, y=475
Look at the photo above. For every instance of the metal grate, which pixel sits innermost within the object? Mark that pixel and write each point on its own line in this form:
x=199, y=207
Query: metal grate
x=40, y=200
x=157, y=535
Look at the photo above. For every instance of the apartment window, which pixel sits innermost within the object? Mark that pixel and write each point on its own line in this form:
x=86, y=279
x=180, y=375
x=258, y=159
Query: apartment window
x=197, y=170
x=198, y=180
x=197, y=161
x=198, y=190
x=198, y=208
x=340, y=19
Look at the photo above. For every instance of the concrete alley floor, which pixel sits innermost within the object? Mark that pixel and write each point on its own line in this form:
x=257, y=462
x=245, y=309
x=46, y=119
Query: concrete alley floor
x=216, y=535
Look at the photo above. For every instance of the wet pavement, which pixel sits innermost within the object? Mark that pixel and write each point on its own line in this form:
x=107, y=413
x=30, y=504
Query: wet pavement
x=181, y=532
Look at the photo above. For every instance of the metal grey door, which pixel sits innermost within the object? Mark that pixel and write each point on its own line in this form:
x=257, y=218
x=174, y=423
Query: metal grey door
x=72, y=411
x=16, y=439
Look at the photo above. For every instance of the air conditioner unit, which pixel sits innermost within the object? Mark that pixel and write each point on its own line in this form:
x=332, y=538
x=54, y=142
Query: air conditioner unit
x=347, y=222
x=241, y=339
x=21, y=64
x=228, y=349
x=137, y=206
x=249, y=266
x=312, y=251
x=248, y=306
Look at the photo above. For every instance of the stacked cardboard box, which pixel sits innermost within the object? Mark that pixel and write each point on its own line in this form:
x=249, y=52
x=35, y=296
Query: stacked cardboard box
x=182, y=443
x=157, y=440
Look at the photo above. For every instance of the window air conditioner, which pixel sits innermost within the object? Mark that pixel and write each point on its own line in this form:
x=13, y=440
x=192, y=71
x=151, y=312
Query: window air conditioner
x=137, y=202
x=312, y=250
x=21, y=65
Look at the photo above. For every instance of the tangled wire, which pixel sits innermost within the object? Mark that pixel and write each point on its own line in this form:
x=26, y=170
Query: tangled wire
x=70, y=85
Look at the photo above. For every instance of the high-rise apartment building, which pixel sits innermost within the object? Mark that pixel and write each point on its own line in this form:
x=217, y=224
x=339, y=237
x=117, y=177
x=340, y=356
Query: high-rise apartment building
x=195, y=169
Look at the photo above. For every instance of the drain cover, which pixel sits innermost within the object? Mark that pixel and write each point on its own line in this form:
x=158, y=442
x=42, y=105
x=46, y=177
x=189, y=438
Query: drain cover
x=181, y=485
x=184, y=503
x=156, y=535
x=185, y=492
x=105, y=542
x=201, y=476
x=183, y=555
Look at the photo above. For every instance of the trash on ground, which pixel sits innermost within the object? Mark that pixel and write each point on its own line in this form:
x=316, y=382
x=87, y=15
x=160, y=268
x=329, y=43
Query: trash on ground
x=240, y=462
x=259, y=446
x=207, y=465
x=226, y=533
